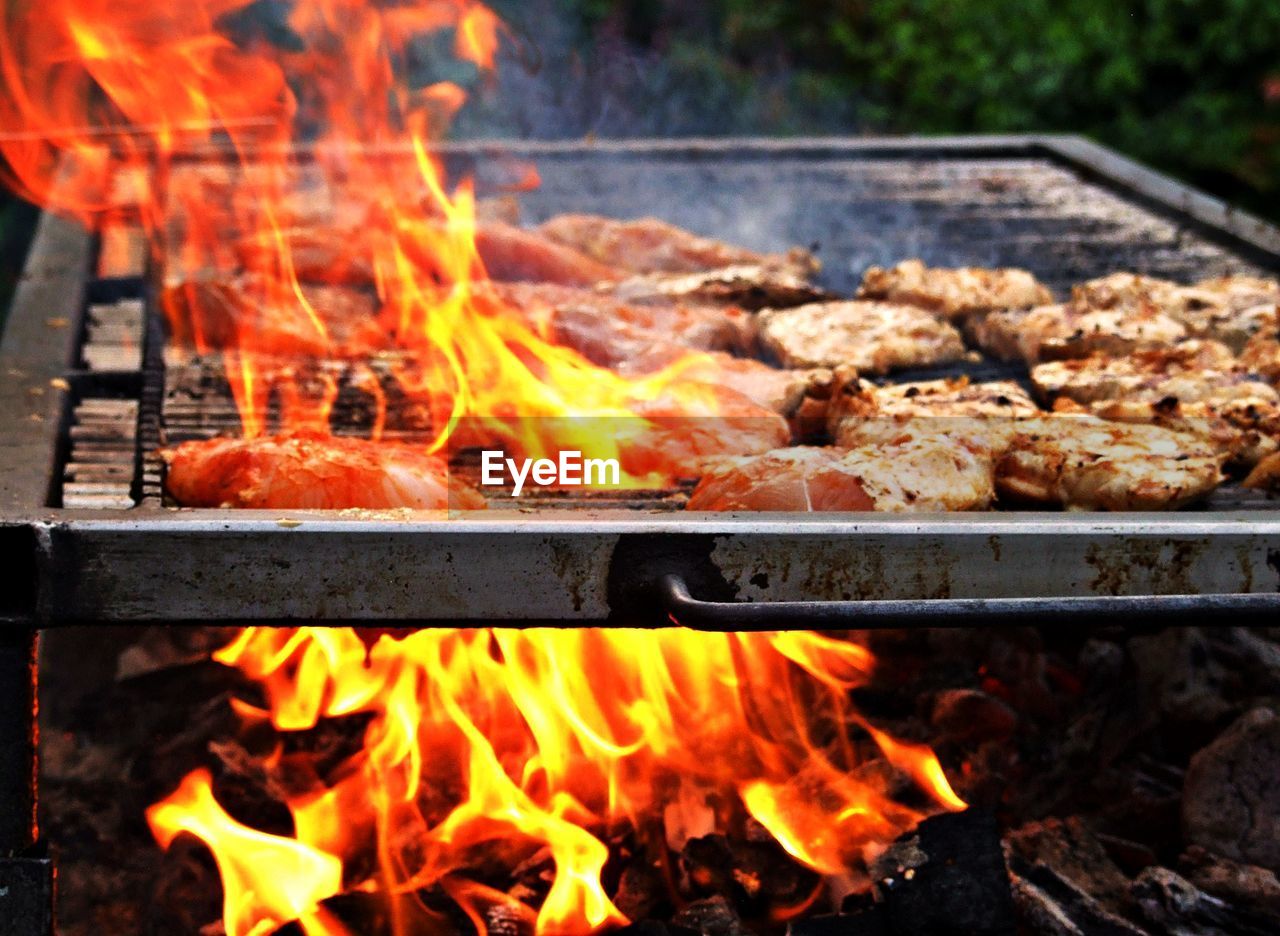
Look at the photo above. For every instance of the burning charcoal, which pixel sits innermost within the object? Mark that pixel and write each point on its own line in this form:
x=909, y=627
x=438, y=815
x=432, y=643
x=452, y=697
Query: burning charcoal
x=754, y=875
x=1074, y=853
x=947, y=877
x=1179, y=677
x=712, y=917
x=1230, y=881
x=1064, y=882
x=1048, y=903
x=1231, y=801
x=970, y=715
x=707, y=866
x=502, y=920
x=1176, y=906
x=642, y=892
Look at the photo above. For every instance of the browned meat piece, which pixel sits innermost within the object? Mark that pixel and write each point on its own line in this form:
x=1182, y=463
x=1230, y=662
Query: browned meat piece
x=692, y=424
x=648, y=245
x=872, y=337
x=954, y=293
x=1230, y=309
x=318, y=253
x=1067, y=331
x=331, y=254
x=1262, y=354
x=916, y=471
x=1085, y=463
x=782, y=391
x=751, y=286
x=512, y=254
x=984, y=414
x=247, y=311
x=306, y=471
x=1195, y=386
x=610, y=332
x=1191, y=371
x=1266, y=474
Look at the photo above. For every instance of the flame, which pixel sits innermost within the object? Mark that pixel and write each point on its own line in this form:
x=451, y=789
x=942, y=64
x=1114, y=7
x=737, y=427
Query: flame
x=104, y=87
x=502, y=742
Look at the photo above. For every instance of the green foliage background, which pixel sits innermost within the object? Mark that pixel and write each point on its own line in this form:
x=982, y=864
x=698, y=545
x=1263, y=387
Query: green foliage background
x=1192, y=86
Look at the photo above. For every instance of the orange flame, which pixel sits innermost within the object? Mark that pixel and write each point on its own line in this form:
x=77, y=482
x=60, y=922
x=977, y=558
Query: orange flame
x=102, y=86
x=502, y=742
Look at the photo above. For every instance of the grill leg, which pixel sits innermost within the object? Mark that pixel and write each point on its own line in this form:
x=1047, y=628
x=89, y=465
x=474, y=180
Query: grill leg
x=26, y=876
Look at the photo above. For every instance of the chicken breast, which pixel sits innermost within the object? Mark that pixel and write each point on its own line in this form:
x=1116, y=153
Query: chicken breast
x=308, y=471
x=751, y=286
x=984, y=414
x=648, y=245
x=916, y=472
x=872, y=337
x=1081, y=462
x=1072, y=330
x=1229, y=309
x=1261, y=355
x=1190, y=370
x=954, y=293
x=1196, y=386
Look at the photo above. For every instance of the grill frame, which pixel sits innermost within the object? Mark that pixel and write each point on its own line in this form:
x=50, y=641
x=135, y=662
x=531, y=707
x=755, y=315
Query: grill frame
x=582, y=565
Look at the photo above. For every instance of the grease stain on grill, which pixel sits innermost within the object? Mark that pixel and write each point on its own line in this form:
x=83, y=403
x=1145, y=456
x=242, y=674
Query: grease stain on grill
x=1142, y=565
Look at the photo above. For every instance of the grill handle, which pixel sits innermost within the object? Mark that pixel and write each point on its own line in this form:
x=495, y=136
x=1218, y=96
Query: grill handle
x=688, y=611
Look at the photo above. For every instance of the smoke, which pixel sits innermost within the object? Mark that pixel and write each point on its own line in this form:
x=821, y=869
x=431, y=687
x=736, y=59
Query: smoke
x=559, y=79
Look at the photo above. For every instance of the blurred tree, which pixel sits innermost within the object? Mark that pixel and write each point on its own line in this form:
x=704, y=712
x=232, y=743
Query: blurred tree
x=1190, y=86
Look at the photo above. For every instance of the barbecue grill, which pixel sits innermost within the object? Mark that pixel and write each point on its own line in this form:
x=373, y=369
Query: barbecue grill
x=88, y=395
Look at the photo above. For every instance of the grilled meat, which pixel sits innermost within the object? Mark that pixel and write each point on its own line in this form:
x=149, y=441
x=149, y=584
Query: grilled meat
x=1195, y=386
x=647, y=245
x=982, y=413
x=872, y=337
x=1072, y=330
x=330, y=254
x=1262, y=353
x=1081, y=462
x=915, y=472
x=782, y=391
x=610, y=332
x=1229, y=309
x=691, y=425
x=954, y=293
x=306, y=471
x=512, y=254
x=336, y=321
x=1190, y=370
x=751, y=286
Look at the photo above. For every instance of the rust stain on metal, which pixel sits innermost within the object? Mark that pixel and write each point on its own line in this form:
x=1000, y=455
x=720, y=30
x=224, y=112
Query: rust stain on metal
x=570, y=568
x=1143, y=564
